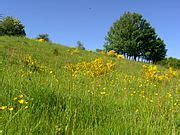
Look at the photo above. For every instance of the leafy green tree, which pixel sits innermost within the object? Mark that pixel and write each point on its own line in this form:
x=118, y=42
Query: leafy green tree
x=125, y=34
x=44, y=36
x=80, y=45
x=134, y=37
x=158, y=51
x=11, y=27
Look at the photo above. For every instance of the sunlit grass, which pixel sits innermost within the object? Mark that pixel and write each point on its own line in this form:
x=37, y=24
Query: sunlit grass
x=40, y=95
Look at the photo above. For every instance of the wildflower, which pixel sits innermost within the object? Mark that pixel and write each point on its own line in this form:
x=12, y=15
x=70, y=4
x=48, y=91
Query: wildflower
x=112, y=53
x=169, y=95
x=15, y=98
x=10, y=108
x=151, y=101
x=21, y=101
x=26, y=107
x=103, y=93
x=26, y=102
x=41, y=40
x=50, y=72
x=3, y=107
x=21, y=96
x=120, y=57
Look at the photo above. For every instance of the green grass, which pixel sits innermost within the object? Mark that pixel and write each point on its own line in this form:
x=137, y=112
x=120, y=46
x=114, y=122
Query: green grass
x=61, y=104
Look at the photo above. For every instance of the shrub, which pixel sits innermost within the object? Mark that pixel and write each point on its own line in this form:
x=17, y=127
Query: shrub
x=11, y=27
x=80, y=45
x=43, y=38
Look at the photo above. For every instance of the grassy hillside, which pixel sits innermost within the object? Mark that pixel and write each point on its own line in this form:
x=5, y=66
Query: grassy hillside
x=51, y=89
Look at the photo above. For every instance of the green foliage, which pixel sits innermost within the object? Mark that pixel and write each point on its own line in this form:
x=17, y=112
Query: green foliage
x=11, y=27
x=170, y=62
x=99, y=50
x=133, y=36
x=80, y=45
x=44, y=36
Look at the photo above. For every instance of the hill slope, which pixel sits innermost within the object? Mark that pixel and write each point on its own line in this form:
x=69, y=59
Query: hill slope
x=52, y=89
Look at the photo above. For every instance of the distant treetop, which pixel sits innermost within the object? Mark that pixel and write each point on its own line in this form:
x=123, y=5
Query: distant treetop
x=10, y=26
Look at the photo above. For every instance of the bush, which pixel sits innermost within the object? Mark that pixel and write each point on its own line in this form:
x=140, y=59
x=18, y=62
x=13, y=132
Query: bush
x=170, y=62
x=11, y=27
x=44, y=37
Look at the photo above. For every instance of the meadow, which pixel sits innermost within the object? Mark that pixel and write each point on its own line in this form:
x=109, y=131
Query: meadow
x=52, y=89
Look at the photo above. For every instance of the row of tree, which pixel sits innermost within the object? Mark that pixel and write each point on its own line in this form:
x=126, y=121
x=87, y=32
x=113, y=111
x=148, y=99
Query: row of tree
x=135, y=38
x=131, y=36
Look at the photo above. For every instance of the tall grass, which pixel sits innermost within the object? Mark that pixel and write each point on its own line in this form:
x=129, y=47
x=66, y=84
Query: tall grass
x=119, y=102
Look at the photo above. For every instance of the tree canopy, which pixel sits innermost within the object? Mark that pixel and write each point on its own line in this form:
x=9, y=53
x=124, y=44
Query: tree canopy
x=80, y=45
x=11, y=27
x=134, y=37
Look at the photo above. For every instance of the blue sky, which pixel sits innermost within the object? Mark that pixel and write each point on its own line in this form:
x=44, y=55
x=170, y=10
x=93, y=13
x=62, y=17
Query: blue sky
x=67, y=21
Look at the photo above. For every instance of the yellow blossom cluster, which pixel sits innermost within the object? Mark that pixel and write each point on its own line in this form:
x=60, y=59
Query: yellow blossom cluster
x=33, y=65
x=41, y=40
x=152, y=73
x=120, y=57
x=94, y=68
x=170, y=74
x=20, y=101
x=113, y=54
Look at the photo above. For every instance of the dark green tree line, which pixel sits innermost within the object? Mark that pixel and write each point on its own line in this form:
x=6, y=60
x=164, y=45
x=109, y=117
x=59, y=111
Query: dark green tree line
x=134, y=37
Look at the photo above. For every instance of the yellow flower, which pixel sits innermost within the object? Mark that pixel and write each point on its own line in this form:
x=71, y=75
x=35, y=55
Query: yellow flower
x=112, y=53
x=26, y=107
x=151, y=101
x=103, y=93
x=169, y=95
x=50, y=72
x=3, y=107
x=41, y=40
x=15, y=98
x=26, y=102
x=21, y=101
x=21, y=96
x=10, y=108
x=120, y=57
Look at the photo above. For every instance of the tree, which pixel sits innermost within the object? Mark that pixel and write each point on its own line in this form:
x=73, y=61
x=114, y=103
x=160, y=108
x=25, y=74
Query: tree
x=80, y=45
x=158, y=51
x=134, y=37
x=11, y=27
x=44, y=36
